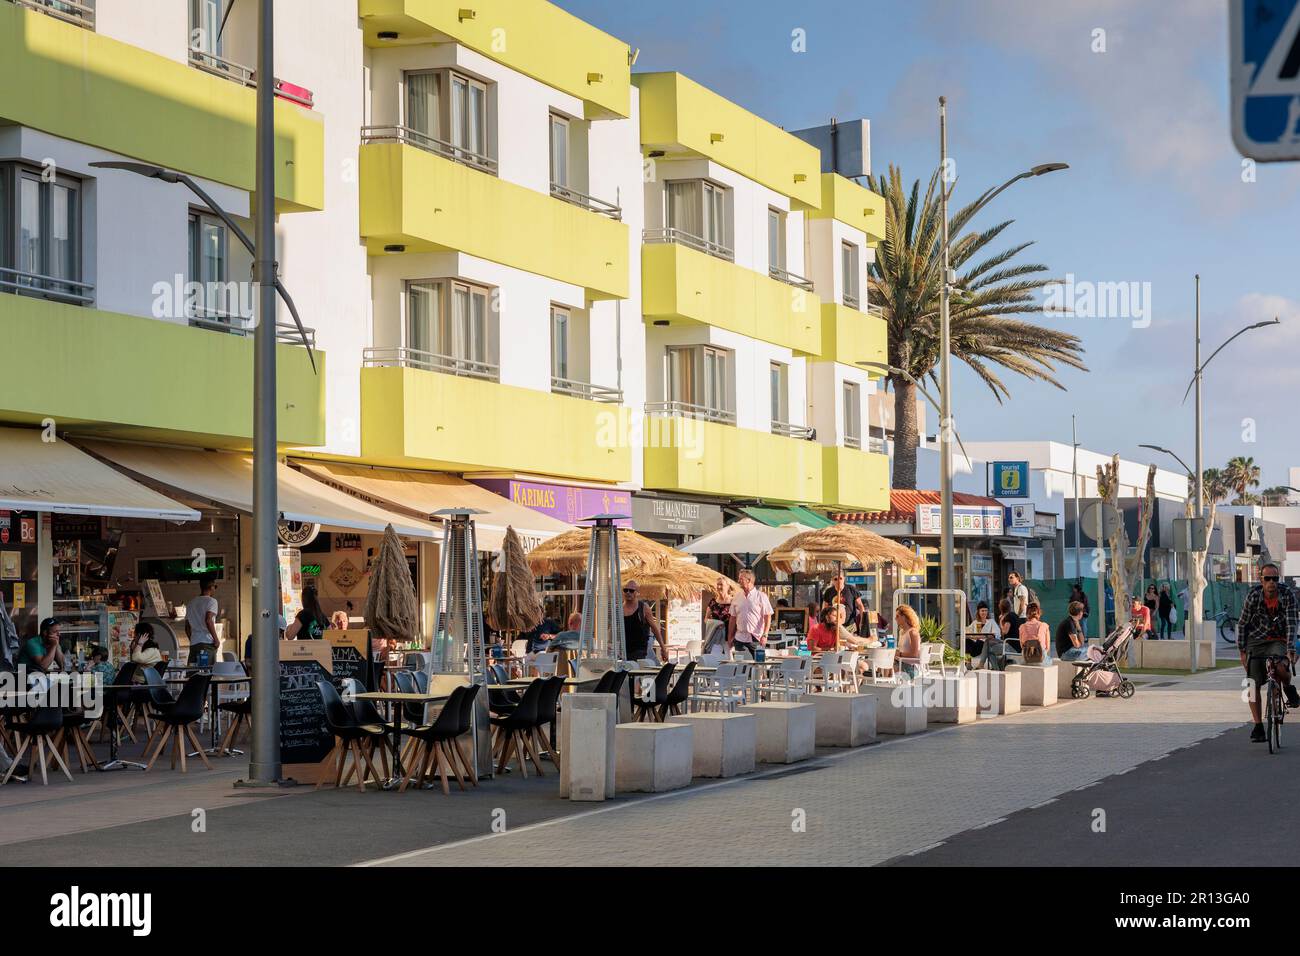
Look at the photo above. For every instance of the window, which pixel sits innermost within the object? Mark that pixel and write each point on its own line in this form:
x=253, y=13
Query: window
x=40, y=234
x=205, y=26
x=849, y=267
x=423, y=318
x=697, y=214
x=559, y=151
x=447, y=327
x=778, y=377
x=468, y=115
x=447, y=113
x=210, y=267
x=698, y=381
x=561, y=326
x=424, y=104
x=852, y=415
x=776, y=240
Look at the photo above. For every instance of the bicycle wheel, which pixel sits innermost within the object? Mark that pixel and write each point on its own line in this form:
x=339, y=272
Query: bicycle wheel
x=1272, y=692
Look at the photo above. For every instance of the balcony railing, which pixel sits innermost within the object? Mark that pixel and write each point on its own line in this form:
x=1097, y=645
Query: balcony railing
x=246, y=76
x=80, y=14
x=585, y=390
x=851, y=300
x=285, y=333
x=46, y=287
x=852, y=441
x=687, y=410
x=401, y=357
x=793, y=431
x=872, y=309
x=684, y=238
x=412, y=137
x=877, y=446
x=587, y=202
x=789, y=278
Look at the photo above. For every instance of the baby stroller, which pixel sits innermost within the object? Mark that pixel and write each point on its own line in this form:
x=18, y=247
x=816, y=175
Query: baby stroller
x=1100, y=672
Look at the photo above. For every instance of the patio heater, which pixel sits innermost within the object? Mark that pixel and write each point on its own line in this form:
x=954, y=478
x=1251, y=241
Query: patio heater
x=602, y=602
x=459, y=644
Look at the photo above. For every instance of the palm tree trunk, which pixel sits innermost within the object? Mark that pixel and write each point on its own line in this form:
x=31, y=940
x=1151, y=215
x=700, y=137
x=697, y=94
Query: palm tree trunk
x=906, y=436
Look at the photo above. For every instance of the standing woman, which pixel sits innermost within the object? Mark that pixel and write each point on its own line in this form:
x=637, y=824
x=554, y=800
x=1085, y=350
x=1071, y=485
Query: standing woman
x=1152, y=602
x=1166, y=609
x=908, y=654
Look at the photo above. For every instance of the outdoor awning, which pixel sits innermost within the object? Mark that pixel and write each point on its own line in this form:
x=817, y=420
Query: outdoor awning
x=797, y=514
x=421, y=493
x=745, y=536
x=36, y=475
x=225, y=479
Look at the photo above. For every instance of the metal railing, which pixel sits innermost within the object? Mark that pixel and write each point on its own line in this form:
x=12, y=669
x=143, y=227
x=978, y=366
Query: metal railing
x=585, y=390
x=789, y=278
x=851, y=300
x=213, y=321
x=402, y=357
x=587, y=202
x=690, y=240
x=69, y=11
x=430, y=144
x=219, y=66
x=853, y=441
x=872, y=309
x=687, y=410
x=793, y=431
x=877, y=446
x=46, y=287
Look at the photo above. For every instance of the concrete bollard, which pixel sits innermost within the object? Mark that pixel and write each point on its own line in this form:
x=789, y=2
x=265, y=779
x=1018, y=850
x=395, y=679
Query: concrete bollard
x=587, y=724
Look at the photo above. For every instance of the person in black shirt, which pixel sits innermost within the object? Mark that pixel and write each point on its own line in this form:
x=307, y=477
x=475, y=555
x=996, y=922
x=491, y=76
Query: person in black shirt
x=1071, y=642
x=1165, y=607
x=310, y=623
x=846, y=594
x=540, y=636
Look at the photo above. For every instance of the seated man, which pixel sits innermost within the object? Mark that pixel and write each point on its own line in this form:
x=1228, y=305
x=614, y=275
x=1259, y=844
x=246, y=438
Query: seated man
x=1071, y=642
x=41, y=652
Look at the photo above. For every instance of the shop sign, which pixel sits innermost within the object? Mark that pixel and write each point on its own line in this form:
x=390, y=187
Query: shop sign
x=76, y=527
x=566, y=503
x=674, y=516
x=296, y=534
x=979, y=521
x=1022, y=518
x=1044, y=525
x=981, y=562
x=27, y=530
x=1010, y=479
x=1014, y=552
x=4, y=527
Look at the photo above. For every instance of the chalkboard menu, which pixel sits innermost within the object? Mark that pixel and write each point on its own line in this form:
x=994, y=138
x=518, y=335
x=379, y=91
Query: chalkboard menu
x=304, y=738
x=350, y=651
x=791, y=619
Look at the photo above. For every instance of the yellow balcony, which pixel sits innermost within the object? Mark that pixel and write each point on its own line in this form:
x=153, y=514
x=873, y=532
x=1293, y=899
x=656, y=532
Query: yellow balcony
x=683, y=284
x=83, y=86
x=855, y=480
x=854, y=205
x=680, y=116
x=124, y=376
x=426, y=202
x=418, y=418
x=850, y=337
x=710, y=458
x=531, y=37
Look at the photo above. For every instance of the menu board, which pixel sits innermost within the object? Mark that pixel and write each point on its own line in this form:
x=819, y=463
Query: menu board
x=350, y=651
x=684, y=621
x=304, y=738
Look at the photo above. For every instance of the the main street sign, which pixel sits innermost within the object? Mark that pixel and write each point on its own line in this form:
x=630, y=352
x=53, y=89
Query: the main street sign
x=1264, y=59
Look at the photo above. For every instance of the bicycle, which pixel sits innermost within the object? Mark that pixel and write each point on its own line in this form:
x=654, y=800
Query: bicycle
x=1227, y=625
x=1275, y=705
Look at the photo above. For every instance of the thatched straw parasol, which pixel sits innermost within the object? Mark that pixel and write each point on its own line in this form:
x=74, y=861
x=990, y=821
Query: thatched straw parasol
x=391, y=611
x=567, y=553
x=832, y=547
x=513, y=605
x=684, y=580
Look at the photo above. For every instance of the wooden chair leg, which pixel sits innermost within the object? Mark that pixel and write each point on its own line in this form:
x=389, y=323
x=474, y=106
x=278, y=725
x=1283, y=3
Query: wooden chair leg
x=442, y=766
x=189, y=730
x=370, y=767
x=383, y=757
x=18, y=756
x=40, y=752
x=181, y=749
x=532, y=754
x=465, y=762
x=58, y=758
x=359, y=765
x=444, y=751
x=507, y=748
x=342, y=748
x=159, y=749
x=333, y=756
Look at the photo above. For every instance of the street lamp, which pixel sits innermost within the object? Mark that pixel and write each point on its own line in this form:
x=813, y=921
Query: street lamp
x=946, y=569
x=1171, y=454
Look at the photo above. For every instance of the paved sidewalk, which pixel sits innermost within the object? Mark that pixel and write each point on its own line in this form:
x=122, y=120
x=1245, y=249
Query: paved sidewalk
x=875, y=804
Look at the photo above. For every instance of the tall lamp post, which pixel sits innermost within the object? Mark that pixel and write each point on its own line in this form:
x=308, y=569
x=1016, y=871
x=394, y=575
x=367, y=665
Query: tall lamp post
x=946, y=568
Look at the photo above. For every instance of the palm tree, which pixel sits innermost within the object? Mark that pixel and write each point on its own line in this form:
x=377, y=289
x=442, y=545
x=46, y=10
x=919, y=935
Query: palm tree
x=1214, y=485
x=1277, y=495
x=905, y=281
x=1242, y=474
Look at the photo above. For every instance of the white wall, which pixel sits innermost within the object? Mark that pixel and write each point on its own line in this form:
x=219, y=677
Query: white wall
x=825, y=237
x=826, y=406
x=160, y=26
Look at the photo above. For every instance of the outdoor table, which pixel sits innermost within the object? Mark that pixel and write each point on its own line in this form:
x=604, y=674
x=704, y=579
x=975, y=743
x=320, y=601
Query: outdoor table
x=215, y=686
x=395, y=700
x=110, y=701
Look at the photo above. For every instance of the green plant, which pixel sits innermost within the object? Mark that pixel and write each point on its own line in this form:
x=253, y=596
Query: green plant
x=932, y=633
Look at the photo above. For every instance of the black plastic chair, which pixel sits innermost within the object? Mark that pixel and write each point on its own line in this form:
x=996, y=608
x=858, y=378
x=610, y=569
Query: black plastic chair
x=515, y=730
x=500, y=702
x=349, y=736
x=40, y=725
x=75, y=727
x=153, y=693
x=546, y=715
x=8, y=712
x=432, y=741
x=465, y=723
x=646, y=706
x=611, y=682
x=179, y=717
x=413, y=714
x=675, y=700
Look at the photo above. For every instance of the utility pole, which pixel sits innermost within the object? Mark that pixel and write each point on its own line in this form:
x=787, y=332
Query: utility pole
x=946, y=574
x=1074, y=437
x=264, y=765
x=1198, y=601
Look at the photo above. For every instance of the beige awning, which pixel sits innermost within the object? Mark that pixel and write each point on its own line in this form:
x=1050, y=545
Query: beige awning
x=226, y=480
x=424, y=492
x=39, y=475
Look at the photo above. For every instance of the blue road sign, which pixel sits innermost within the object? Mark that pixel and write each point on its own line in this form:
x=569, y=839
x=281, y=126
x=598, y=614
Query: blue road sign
x=1264, y=57
x=1010, y=479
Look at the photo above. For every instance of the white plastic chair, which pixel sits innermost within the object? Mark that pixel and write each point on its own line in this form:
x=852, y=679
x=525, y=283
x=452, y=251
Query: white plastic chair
x=829, y=665
x=518, y=648
x=931, y=655
x=880, y=664
x=726, y=689
x=791, y=678
x=546, y=663
x=848, y=675
x=694, y=648
x=711, y=660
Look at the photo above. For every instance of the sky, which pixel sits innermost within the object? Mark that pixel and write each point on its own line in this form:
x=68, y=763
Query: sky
x=1134, y=95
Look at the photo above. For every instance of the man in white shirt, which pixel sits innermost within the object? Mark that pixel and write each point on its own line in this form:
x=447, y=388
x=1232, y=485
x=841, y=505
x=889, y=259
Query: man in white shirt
x=201, y=622
x=1019, y=603
x=751, y=616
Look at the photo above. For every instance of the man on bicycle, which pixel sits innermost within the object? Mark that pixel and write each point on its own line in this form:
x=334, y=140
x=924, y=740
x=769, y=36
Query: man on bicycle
x=1270, y=619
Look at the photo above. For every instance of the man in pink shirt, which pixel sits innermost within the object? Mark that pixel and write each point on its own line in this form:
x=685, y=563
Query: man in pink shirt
x=751, y=615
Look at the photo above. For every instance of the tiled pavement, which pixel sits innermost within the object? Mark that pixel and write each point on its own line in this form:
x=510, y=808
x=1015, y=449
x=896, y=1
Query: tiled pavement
x=871, y=805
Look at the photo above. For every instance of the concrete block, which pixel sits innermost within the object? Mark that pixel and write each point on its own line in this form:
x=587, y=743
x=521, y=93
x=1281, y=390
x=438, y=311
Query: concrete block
x=900, y=709
x=651, y=758
x=586, y=730
x=786, y=731
x=725, y=744
x=1065, y=672
x=1037, y=684
x=998, y=692
x=844, y=720
x=950, y=700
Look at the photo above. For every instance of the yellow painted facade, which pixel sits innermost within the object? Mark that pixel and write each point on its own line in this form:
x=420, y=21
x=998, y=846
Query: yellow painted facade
x=684, y=284
x=425, y=202
x=850, y=337
x=844, y=200
x=709, y=458
x=416, y=418
x=532, y=37
x=83, y=86
x=854, y=480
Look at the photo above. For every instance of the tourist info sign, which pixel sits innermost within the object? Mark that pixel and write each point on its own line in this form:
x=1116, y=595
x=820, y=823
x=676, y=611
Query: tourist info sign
x=1264, y=59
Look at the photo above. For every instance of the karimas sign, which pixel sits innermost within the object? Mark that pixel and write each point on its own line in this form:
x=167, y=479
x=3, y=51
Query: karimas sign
x=568, y=503
x=970, y=520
